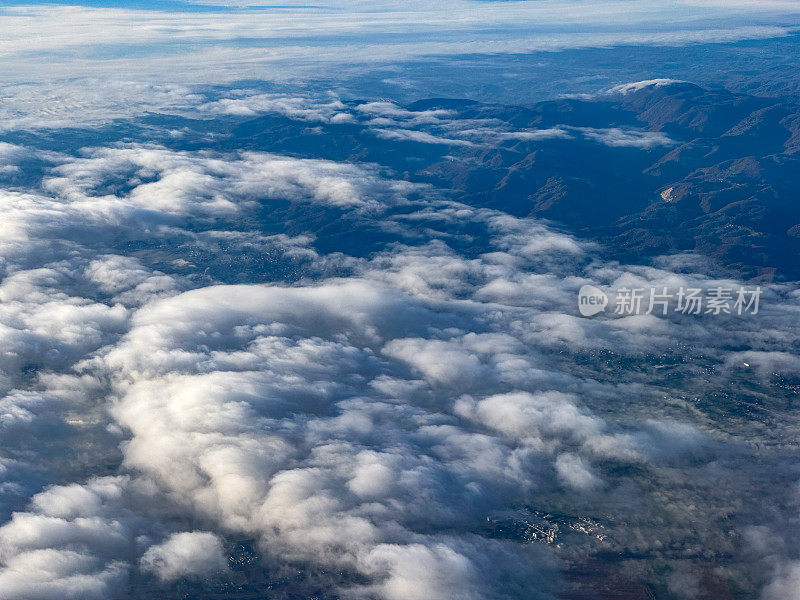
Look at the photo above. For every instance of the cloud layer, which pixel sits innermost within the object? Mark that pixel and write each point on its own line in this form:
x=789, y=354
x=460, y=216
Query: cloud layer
x=116, y=62
x=400, y=424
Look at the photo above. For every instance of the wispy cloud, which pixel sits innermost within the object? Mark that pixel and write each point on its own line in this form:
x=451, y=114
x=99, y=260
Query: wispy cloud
x=213, y=46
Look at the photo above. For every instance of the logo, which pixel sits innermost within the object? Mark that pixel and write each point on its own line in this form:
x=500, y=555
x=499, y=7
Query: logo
x=662, y=301
x=591, y=300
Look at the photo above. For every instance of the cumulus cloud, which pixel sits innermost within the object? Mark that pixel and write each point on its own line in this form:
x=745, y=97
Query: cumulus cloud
x=303, y=109
x=170, y=183
x=366, y=422
x=73, y=544
x=785, y=584
x=195, y=553
x=46, y=574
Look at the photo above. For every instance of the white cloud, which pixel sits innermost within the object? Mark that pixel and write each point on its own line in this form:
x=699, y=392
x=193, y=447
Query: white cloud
x=573, y=471
x=59, y=575
x=785, y=585
x=422, y=137
x=204, y=183
x=620, y=138
x=119, y=62
x=302, y=109
x=365, y=424
x=418, y=572
x=195, y=553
